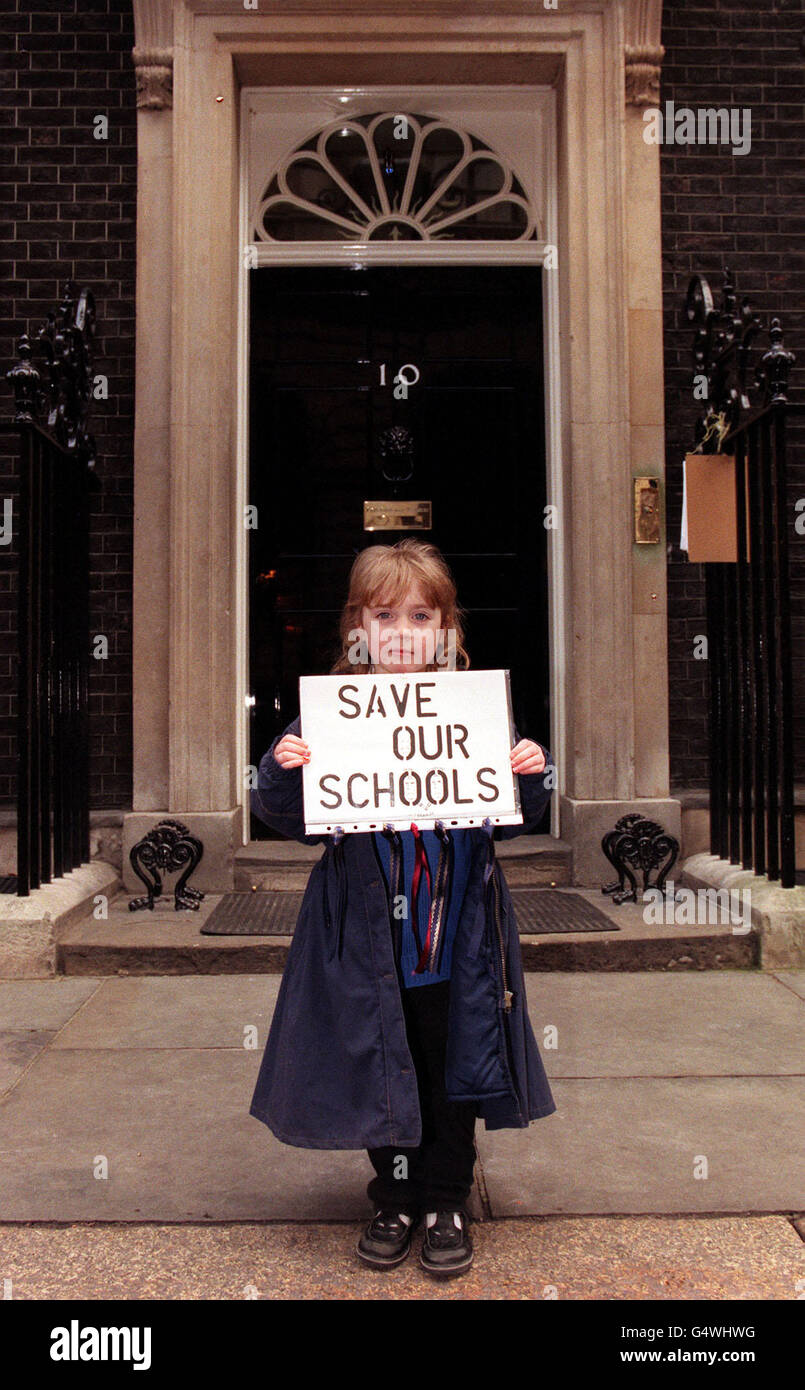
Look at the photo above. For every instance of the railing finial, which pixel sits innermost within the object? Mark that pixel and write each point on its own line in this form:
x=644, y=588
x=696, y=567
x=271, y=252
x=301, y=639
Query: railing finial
x=59, y=397
x=722, y=344
x=771, y=372
x=25, y=380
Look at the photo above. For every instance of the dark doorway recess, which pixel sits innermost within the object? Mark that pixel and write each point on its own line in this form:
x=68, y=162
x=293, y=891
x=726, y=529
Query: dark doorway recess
x=319, y=417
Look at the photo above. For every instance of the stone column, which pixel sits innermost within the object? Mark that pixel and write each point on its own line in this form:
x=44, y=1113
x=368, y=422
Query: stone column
x=153, y=61
x=204, y=775
x=643, y=55
x=626, y=769
x=184, y=723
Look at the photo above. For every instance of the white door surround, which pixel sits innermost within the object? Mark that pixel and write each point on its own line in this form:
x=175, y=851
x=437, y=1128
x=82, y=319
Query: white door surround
x=589, y=65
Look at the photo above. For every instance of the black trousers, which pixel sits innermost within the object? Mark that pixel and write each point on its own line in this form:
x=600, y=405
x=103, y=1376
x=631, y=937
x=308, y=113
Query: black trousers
x=437, y=1174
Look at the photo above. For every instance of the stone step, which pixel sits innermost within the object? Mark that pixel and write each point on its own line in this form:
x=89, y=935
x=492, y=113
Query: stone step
x=538, y=861
x=166, y=942
x=246, y=955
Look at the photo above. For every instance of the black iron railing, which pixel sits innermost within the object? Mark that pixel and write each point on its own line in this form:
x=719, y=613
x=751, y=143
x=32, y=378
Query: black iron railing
x=751, y=740
x=51, y=528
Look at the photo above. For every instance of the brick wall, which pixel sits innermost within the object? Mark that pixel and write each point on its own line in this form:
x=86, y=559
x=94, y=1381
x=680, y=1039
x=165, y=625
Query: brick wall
x=741, y=211
x=69, y=212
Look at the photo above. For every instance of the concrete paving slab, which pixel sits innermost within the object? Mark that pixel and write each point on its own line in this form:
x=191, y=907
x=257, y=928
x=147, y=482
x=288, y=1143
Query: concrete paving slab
x=653, y=1258
x=17, y=1051
x=174, y=1128
x=730, y=1023
x=173, y=1011
x=718, y=1023
x=32, y=1012
x=635, y=1145
x=649, y=1071
x=42, y=1003
x=178, y=1142
x=794, y=979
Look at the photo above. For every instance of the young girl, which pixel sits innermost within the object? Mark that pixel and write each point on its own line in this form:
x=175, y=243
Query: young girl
x=401, y=1015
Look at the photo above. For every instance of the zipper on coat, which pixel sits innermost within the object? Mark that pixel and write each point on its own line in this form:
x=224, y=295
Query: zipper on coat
x=336, y=849
x=506, y=1002
x=507, y=993
x=494, y=887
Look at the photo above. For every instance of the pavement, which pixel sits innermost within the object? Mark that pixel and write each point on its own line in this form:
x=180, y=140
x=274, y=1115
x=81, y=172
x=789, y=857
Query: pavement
x=673, y=1167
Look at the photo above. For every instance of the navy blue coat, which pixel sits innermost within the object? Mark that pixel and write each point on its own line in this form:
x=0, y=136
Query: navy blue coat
x=337, y=1072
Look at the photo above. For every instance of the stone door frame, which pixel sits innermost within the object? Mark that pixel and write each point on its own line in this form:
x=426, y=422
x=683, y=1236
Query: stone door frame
x=454, y=104
x=193, y=58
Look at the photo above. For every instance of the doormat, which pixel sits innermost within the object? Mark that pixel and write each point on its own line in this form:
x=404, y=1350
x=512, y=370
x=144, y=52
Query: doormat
x=254, y=914
x=544, y=910
x=538, y=910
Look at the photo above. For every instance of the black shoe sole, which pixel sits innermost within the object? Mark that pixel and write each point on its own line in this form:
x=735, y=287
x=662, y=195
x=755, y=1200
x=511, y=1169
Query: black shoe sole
x=445, y=1271
x=380, y=1261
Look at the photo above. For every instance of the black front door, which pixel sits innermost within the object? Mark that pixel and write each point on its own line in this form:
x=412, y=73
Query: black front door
x=326, y=347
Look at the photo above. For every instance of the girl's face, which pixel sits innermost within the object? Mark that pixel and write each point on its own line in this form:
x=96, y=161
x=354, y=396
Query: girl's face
x=402, y=637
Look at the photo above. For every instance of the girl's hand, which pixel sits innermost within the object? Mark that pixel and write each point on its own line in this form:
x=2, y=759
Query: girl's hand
x=292, y=751
x=527, y=757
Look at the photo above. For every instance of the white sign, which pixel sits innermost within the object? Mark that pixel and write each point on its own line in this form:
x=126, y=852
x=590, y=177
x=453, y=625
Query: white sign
x=397, y=749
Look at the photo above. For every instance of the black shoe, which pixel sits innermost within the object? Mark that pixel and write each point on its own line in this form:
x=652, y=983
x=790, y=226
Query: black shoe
x=387, y=1238
x=447, y=1248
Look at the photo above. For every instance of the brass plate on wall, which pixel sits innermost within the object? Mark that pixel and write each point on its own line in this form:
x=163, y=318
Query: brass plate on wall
x=397, y=516
x=647, y=511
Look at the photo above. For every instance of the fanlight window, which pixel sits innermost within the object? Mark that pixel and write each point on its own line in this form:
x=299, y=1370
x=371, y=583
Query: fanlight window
x=393, y=177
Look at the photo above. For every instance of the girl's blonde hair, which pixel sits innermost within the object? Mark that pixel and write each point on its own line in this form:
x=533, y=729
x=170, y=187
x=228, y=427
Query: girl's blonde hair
x=384, y=574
